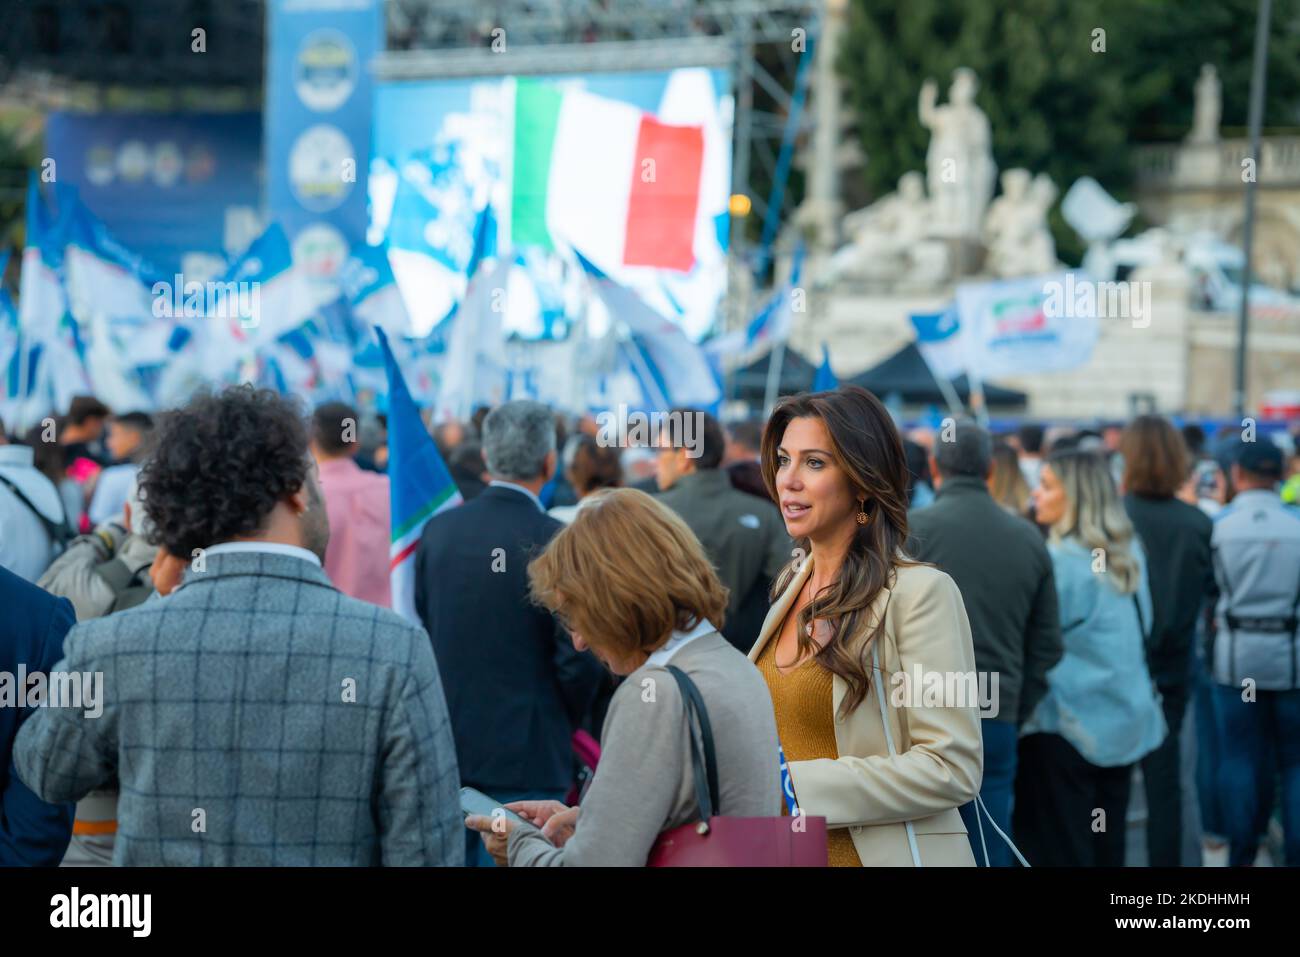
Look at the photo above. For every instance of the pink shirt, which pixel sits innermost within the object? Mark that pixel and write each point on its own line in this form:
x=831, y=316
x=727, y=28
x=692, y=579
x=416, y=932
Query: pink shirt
x=356, y=501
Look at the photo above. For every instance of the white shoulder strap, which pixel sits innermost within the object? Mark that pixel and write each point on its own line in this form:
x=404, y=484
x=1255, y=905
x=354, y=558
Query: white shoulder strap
x=979, y=802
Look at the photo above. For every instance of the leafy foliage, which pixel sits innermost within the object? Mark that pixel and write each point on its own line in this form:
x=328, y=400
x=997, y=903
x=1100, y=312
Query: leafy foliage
x=1054, y=103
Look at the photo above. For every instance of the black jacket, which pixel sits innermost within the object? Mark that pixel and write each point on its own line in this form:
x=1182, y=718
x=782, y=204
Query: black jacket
x=745, y=539
x=1176, y=538
x=1002, y=568
x=515, y=686
x=32, y=832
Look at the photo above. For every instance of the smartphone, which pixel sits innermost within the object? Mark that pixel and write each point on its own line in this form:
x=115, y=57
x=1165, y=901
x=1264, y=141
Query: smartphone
x=1207, y=478
x=476, y=802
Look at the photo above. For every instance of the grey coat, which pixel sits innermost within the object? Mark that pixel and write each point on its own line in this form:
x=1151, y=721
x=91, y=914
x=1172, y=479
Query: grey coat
x=645, y=784
x=258, y=716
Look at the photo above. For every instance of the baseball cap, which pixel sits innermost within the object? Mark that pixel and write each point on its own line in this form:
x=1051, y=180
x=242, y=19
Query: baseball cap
x=1261, y=458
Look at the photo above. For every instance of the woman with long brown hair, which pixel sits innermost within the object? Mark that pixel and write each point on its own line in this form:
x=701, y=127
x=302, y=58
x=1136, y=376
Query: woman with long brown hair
x=854, y=624
x=1176, y=537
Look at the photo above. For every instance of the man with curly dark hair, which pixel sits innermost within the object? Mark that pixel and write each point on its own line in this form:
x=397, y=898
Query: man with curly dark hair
x=229, y=466
x=256, y=715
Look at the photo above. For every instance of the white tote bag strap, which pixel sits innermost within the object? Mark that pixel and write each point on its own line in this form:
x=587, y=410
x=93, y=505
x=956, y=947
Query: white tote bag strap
x=893, y=752
x=979, y=806
x=979, y=801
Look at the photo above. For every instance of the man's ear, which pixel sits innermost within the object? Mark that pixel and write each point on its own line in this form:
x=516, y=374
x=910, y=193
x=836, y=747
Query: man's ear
x=685, y=463
x=299, y=500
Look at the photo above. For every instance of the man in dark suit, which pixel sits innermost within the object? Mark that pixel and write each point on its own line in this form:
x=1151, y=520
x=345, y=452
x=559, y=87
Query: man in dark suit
x=32, y=832
x=516, y=687
x=744, y=536
x=1002, y=568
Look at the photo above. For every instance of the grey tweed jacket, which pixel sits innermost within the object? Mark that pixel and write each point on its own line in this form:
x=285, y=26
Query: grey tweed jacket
x=258, y=716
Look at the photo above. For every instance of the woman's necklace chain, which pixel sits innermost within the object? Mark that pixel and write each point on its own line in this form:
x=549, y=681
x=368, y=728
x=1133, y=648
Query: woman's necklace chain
x=808, y=628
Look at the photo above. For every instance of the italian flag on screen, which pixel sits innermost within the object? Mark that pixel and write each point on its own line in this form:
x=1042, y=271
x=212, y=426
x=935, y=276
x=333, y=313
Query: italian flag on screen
x=613, y=182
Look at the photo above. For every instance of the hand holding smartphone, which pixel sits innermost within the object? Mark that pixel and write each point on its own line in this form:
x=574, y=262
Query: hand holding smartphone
x=476, y=802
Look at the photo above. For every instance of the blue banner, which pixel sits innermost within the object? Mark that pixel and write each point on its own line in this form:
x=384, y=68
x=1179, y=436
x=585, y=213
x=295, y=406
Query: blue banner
x=168, y=185
x=318, y=116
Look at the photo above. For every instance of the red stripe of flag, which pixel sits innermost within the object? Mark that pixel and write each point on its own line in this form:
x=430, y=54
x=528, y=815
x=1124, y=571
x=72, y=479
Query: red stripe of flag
x=404, y=554
x=665, y=195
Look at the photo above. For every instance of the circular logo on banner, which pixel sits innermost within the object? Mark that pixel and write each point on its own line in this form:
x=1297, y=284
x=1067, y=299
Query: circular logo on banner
x=200, y=163
x=100, y=165
x=133, y=161
x=322, y=168
x=167, y=163
x=325, y=72
x=320, y=251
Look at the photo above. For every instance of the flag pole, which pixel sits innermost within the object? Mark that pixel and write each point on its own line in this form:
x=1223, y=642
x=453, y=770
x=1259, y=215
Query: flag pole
x=630, y=345
x=1255, y=119
x=978, y=405
x=775, y=362
x=950, y=394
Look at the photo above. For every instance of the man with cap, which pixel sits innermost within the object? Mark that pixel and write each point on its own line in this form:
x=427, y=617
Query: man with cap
x=1256, y=657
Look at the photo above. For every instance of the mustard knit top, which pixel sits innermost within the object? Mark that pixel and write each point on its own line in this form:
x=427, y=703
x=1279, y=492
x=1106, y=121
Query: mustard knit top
x=805, y=723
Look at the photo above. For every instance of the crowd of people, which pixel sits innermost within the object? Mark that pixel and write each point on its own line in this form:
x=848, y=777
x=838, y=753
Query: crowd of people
x=1125, y=596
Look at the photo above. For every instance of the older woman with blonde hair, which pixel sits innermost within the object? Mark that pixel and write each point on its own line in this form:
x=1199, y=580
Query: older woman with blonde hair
x=630, y=581
x=1007, y=482
x=1101, y=713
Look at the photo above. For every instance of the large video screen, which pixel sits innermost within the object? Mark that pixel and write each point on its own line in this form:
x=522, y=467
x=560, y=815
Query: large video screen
x=630, y=171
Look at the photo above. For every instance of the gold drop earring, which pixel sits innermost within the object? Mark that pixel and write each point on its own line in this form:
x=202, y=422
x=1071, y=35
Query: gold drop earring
x=862, y=512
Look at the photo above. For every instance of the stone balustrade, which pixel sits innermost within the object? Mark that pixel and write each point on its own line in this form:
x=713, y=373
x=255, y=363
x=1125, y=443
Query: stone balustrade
x=1217, y=165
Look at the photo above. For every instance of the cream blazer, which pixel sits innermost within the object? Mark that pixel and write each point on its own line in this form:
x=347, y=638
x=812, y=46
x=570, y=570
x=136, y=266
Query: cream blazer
x=940, y=751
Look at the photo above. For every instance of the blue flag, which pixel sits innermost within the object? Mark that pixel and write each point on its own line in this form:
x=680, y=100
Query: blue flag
x=825, y=379
x=418, y=481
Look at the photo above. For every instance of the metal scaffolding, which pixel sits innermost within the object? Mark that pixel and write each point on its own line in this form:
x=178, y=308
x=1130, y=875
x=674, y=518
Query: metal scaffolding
x=134, y=43
x=105, y=54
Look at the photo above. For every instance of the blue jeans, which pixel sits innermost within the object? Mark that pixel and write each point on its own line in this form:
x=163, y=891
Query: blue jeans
x=1258, y=738
x=1208, y=750
x=476, y=854
x=997, y=790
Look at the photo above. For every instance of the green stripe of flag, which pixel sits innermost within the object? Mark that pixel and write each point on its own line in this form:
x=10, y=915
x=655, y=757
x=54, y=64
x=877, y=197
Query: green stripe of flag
x=537, y=113
x=422, y=514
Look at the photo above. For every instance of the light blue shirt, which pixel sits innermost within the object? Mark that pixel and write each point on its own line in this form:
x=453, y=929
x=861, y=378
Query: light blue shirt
x=269, y=548
x=1100, y=696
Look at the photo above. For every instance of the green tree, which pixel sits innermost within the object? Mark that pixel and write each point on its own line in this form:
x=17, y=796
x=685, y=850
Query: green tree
x=1069, y=87
x=19, y=152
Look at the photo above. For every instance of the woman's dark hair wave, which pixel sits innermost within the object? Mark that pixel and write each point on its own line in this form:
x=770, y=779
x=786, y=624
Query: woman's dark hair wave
x=217, y=466
x=867, y=446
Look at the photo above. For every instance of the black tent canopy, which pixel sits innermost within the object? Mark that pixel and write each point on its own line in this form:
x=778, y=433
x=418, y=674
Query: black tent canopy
x=750, y=382
x=906, y=375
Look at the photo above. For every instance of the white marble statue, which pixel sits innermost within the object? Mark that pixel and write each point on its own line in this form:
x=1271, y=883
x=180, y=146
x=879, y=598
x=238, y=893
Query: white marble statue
x=1208, y=108
x=960, y=171
x=887, y=240
x=1016, y=234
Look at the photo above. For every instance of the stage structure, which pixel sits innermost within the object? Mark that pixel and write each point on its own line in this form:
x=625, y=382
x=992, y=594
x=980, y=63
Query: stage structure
x=760, y=43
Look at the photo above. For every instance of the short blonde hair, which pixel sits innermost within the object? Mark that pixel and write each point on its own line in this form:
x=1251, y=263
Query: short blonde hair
x=626, y=573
